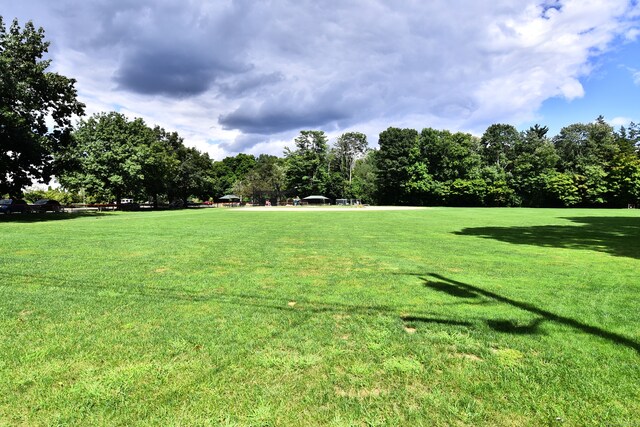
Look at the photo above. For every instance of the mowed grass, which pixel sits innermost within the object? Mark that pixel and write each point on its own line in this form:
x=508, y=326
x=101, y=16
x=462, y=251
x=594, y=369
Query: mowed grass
x=342, y=318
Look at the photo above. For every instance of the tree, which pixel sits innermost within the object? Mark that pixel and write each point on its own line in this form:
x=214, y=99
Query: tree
x=32, y=195
x=193, y=176
x=307, y=165
x=349, y=147
x=497, y=143
x=628, y=139
x=264, y=182
x=392, y=162
x=36, y=108
x=161, y=167
x=108, y=157
x=623, y=180
x=453, y=164
x=363, y=186
x=587, y=151
x=229, y=171
x=534, y=158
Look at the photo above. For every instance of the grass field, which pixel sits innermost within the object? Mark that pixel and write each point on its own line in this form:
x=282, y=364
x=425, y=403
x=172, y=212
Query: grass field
x=341, y=318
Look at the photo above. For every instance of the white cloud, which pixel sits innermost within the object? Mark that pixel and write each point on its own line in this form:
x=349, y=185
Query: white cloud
x=620, y=121
x=246, y=75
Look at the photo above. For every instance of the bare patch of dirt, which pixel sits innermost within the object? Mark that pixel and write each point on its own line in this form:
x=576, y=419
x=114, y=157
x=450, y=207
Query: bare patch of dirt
x=469, y=356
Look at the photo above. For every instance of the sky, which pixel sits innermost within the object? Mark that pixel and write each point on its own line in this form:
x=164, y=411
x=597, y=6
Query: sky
x=247, y=75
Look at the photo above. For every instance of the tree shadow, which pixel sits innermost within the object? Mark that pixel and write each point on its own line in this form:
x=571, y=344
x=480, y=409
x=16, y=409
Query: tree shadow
x=511, y=327
x=618, y=236
x=47, y=217
x=435, y=320
x=454, y=291
x=162, y=294
x=544, y=315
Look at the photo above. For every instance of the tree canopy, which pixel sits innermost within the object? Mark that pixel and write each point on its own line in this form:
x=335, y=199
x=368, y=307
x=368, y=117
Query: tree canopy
x=36, y=108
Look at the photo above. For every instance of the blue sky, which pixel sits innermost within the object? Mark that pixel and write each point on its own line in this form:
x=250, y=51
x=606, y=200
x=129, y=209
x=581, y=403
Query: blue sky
x=247, y=75
x=609, y=91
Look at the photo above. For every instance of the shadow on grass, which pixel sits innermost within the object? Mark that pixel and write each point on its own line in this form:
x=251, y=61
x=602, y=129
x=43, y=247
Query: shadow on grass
x=436, y=320
x=452, y=290
x=182, y=294
x=46, y=217
x=305, y=308
x=511, y=327
x=618, y=236
x=532, y=328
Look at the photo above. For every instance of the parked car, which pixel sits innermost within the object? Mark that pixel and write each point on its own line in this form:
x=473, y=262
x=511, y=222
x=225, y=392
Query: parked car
x=46, y=205
x=8, y=206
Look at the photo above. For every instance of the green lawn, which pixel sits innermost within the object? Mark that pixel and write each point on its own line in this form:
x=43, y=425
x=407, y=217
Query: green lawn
x=349, y=317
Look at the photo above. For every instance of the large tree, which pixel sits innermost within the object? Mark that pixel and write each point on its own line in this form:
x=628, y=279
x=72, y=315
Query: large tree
x=349, y=147
x=393, y=162
x=229, y=172
x=587, y=152
x=109, y=157
x=497, y=144
x=533, y=167
x=194, y=176
x=266, y=181
x=363, y=186
x=36, y=108
x=307, y=166
x=161, y=167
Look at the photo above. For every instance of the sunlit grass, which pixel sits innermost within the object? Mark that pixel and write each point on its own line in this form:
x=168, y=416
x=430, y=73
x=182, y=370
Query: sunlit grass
x=239, y=317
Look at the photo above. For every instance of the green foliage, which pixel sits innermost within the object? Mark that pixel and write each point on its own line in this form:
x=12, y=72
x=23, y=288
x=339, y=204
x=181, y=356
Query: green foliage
x=363, y=185
x=229, y=173
x=64, y=197
x=584, y=165
x=562, y=188
x=307, y=167
x=534, y=157
x=348, y=149
x=161, y=167
x=393, y=162
x=265, y=181
x=497, y=144
x=623, y=180
x=108, y=157
x=113, y=158
x=193, y=176
x=36, y=107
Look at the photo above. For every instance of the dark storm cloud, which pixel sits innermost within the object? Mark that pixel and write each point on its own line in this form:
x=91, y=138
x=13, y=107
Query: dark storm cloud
x=162, y=47
x=243, y=143
x=273, y=119
x=242, y=85
x=173, y=74
x=170, y=72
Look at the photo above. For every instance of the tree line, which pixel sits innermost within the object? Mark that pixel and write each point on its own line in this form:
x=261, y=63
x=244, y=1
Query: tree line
x=584, y=165
x=108, y=157
x=111, y=158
